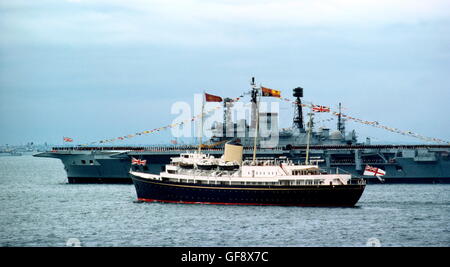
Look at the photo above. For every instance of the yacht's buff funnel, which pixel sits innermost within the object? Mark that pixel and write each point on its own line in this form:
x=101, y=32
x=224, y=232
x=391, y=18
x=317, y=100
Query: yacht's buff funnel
x=233, y=152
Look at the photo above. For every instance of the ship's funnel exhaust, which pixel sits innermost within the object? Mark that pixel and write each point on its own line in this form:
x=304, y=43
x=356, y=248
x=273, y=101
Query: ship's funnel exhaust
x=233, y=152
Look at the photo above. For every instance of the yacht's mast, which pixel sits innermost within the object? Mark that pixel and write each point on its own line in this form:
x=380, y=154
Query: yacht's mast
x=201, y=125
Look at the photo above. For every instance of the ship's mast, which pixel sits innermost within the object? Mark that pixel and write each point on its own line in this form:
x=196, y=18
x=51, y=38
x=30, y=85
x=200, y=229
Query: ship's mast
x=201, y=125
x=254, y=95
x=340, y=125
x=298, y=111
x=255, y=104
x=310, y=126
x=227, y=122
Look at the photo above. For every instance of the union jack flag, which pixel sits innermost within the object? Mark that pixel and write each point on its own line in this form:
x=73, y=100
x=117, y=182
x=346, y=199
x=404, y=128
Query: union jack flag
x=135, y=161
x=373, y=171
x=320, y=108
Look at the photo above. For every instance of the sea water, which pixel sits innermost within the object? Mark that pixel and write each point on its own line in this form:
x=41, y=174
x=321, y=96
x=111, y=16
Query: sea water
x=39, y=208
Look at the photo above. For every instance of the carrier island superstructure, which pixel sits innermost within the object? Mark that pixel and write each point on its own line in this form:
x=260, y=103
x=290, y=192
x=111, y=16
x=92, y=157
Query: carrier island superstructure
x=331, y=148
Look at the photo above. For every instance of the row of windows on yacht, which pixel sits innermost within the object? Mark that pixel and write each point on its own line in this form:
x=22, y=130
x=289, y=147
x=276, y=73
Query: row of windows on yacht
x=268, y=173
x=230, y=182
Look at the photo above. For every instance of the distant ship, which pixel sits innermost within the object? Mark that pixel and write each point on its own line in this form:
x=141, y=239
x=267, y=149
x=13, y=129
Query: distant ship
x=197, y=178
x=422, y=163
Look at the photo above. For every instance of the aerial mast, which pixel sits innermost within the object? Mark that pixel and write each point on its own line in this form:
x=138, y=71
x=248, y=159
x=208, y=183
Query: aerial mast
x=340, y=124
x=227, y=121
x=339, y=118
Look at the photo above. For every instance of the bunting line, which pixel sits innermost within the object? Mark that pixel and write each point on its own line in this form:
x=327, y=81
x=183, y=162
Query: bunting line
x=374, y=124
x=173, y=125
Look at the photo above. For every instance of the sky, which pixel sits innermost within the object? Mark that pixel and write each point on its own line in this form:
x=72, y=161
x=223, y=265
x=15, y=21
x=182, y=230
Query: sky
x=97, y=69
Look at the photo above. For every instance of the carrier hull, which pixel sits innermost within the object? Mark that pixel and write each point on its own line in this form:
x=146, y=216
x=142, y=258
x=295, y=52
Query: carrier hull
x=99, y=166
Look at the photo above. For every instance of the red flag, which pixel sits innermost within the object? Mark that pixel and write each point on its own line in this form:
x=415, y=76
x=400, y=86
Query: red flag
x=67, y=139
x=320, y=109
x=212, y=98
x=174, y=142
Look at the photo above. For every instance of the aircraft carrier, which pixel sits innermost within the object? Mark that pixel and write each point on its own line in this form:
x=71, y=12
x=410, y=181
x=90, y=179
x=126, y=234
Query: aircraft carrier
x=330, y=148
